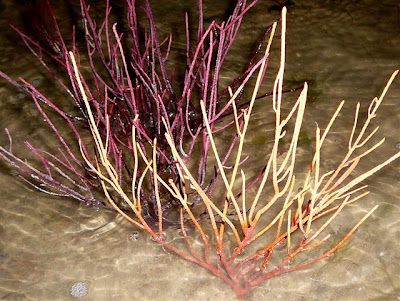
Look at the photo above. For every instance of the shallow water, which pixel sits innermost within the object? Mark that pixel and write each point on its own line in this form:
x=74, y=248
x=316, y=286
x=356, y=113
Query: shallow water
x=345, y=49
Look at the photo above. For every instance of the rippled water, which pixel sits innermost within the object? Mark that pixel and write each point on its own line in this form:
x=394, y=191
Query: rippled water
x=345, y=49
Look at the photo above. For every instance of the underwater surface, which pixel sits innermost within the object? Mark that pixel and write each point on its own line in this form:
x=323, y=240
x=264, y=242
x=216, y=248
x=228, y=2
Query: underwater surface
x=53, y=248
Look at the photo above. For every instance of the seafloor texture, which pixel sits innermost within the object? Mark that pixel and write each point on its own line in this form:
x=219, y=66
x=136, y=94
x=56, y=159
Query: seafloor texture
x=57, y=249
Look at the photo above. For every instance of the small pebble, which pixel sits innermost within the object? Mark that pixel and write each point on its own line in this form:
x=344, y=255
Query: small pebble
x=398, y=145
x=134, y=236
x=79, y=289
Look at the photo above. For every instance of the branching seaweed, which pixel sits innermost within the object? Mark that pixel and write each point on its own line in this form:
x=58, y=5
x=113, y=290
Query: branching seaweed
x=324, y=194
